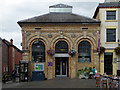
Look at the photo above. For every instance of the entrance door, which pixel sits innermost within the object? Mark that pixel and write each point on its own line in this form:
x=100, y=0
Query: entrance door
x=61, y=66
x=108, y=58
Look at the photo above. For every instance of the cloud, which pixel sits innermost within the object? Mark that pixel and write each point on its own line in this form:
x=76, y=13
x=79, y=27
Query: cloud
x=15, y=10
x=16, y=36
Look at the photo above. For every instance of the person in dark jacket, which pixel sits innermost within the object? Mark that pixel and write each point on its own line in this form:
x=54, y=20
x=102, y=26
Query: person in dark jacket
x=14, y=75
x=4, y=77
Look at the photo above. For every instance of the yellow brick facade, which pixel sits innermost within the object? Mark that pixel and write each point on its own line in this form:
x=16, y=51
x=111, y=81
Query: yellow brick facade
x=90, y=35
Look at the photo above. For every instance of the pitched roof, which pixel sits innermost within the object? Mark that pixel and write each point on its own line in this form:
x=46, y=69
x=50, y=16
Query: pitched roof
x=60, y=6
x=59, y=18
x=106, y=5
x=10, y=44
x=109, y=4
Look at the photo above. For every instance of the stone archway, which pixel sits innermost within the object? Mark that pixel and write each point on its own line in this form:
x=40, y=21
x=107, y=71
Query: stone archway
x=94, y=54
x=46, y=56
x=69, y=43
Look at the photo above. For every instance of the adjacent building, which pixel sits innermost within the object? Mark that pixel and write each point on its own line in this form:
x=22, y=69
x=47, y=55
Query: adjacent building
x=59, y=31
x=109, y=15
x=11, y=56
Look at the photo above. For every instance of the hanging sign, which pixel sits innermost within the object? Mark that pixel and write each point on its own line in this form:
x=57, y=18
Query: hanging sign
x=39, y=67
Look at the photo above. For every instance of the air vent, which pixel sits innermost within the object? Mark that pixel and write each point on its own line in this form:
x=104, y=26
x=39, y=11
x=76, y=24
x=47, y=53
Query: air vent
x=84, y=28
x=37, y=28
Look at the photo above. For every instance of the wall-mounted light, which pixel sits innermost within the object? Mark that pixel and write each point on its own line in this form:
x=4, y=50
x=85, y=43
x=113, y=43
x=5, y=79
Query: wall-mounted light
x=61, y=32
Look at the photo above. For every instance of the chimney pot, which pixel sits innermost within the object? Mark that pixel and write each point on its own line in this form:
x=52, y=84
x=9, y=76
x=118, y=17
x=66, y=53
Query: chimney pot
x=11, y=41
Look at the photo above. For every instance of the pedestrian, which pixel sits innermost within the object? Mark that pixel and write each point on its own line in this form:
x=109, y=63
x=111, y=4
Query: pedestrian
x=4, y=77
x=94, y=71
x=14, y=75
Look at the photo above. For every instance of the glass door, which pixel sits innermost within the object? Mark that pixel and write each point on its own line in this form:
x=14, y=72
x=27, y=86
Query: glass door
x=57, y=67
x=61, y=67
x=108, y=58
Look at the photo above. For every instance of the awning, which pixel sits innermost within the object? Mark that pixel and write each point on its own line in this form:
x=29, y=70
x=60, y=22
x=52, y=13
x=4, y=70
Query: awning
x=61, y=55
x=24, y=61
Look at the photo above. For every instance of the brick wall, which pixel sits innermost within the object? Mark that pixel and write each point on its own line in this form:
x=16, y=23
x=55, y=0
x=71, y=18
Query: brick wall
x=5, y=57
x=15, y=57
x=11, y=56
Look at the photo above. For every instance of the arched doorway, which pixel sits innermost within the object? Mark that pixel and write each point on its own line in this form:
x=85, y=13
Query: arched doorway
x=38, y=51
x=61, y=59
x=84, y=52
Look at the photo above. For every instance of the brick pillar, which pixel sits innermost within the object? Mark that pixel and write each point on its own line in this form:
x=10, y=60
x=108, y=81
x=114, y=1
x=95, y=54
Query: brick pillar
x=50, y=68
x=73, y=67
x=25, y=54
x=97, y=61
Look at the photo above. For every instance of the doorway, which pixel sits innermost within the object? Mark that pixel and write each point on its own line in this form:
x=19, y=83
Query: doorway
x=108, y=58
x=61, y=66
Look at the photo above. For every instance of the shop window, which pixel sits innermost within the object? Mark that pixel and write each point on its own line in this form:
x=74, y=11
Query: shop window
x=111, y=15
x=84, y=52
x=111, y=35
x=38, y=51
x=61, y=47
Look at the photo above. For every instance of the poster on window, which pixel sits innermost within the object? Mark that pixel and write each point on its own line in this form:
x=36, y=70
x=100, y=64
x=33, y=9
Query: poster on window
x=39, y=67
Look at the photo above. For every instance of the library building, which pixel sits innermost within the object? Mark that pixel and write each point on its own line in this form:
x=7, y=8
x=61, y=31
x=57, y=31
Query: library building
x=58, y=43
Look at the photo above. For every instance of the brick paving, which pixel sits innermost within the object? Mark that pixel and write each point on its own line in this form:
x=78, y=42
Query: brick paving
x=54, y=83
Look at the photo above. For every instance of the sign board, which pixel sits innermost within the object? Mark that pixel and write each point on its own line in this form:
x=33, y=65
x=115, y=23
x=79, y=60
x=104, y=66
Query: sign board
x=62, y=55
x=39, y=67
x=115, y=60
x=102, y=61
x=50, y=64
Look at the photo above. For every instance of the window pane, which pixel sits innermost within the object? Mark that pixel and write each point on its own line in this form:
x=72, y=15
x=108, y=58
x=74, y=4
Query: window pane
x=61, y=47
x=38, y=51
x=111, y=35
x=111, y=15
x=84, y=52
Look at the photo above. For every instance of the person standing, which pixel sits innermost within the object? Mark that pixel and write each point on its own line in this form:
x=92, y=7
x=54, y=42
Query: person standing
x=14, y=75
x=94, y=71
x=4, y=77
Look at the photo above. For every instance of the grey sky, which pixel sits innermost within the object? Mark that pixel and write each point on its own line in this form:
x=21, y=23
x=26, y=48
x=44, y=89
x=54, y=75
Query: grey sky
x=15, y=10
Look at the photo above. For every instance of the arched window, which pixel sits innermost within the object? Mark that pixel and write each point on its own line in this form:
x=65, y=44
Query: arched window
x=38, y=51
x=84, y=51
x=61, y=47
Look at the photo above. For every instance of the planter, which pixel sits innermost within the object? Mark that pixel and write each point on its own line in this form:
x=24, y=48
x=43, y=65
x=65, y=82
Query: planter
x=117, y=50
x=72, y=52
x=102, y=50
x=51, y=52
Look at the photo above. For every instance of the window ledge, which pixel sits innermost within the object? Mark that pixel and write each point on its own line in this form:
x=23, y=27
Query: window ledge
x=111, y=42
x=111, y=20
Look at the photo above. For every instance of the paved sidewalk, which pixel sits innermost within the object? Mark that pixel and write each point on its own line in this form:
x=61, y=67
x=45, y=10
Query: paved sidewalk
x=54, y=83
